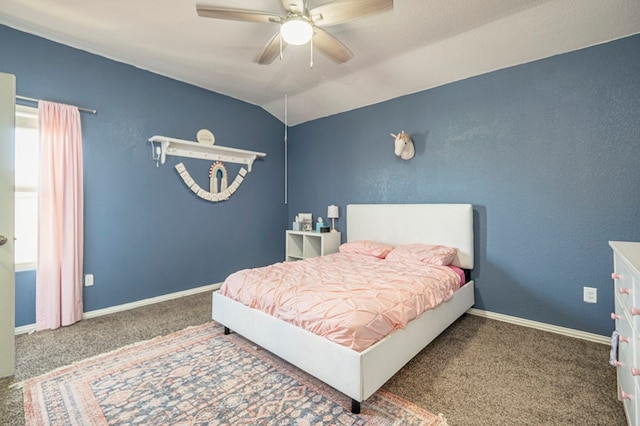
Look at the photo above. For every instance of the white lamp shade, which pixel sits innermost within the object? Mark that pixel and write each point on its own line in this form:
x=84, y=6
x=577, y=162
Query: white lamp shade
x=296, y=31
x=332, y=212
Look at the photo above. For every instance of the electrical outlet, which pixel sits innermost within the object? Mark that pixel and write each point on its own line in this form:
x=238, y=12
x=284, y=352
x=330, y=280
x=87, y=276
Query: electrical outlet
x=88, y=280
x=590, y=295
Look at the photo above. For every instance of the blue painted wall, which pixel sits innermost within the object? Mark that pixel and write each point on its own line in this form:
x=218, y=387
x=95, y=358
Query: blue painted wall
x=547, y=152
x=146, y=233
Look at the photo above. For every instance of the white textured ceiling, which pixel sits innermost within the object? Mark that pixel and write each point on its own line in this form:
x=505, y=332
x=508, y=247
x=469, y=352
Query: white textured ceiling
x=419, y=45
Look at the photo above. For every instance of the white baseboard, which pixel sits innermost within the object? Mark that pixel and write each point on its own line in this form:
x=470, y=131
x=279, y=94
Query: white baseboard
x=119, y=308
x=542, y=326
x=486, y=314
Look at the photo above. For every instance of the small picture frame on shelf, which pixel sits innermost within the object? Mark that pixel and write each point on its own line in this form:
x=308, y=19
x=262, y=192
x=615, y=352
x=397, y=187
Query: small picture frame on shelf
x=306, y=221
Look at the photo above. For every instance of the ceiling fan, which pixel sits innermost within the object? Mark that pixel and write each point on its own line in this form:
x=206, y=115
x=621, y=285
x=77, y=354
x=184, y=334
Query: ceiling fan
x=300, y=25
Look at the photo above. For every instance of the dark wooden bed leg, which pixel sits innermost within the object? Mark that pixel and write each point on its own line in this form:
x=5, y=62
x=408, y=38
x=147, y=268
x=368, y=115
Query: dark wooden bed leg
x=227, y=331
x=355, y=406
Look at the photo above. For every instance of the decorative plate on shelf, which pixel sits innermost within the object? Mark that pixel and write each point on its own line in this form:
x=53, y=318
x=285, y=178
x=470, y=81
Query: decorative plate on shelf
x=205, y=137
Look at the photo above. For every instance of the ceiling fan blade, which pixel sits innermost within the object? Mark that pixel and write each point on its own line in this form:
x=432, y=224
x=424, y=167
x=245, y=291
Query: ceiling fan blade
x=207, y=11
x=271, y=50
x=294, y=6
x=343, y=11
x=331, y=46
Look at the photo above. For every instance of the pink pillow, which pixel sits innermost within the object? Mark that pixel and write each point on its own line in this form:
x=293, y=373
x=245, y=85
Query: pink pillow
x=460, y=272
x=433, y=255
x=368, y=248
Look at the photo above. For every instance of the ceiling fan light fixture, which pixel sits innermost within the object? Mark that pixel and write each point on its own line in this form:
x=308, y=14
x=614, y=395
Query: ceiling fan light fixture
x=296, y=31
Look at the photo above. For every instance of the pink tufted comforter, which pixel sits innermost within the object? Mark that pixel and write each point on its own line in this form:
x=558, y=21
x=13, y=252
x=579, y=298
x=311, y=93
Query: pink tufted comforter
x=351, y=299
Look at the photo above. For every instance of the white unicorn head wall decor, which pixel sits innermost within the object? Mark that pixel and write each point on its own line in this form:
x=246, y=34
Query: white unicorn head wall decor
x=404, y=147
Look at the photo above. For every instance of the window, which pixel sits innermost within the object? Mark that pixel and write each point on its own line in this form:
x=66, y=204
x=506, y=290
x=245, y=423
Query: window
x=26, y=187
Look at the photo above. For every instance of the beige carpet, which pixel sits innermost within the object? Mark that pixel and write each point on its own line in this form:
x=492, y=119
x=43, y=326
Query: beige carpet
x=478, y=372
x=486, y=372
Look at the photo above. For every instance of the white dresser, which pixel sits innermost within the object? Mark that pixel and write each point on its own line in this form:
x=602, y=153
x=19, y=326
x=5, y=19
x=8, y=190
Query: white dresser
x=626, y=275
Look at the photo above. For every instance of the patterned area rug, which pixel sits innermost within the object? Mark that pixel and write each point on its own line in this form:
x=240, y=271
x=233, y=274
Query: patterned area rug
x=199, y=376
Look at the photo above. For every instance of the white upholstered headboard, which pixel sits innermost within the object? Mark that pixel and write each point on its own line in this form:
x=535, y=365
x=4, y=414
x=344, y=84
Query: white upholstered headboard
x=446, y=224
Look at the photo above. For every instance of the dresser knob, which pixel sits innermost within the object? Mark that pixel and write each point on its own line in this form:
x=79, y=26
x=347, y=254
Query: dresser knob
x=624, y=290
x=614, y=316
x=625, y=395
x=615, y=276
x=623, y=339
x=635, y=371
x=635, y=311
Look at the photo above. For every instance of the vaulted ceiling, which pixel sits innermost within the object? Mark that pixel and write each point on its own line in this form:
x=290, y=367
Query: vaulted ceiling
x=417, y=45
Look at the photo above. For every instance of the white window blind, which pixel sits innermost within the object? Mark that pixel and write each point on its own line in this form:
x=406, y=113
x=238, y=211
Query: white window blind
x=26, y=187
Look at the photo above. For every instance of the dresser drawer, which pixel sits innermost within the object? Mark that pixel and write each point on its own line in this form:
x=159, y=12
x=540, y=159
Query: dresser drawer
x=624, y=321
x=628, y=391
x=627, y=289
x=627, y=341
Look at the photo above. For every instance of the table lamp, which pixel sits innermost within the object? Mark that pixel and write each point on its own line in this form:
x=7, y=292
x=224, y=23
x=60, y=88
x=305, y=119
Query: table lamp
x=332, y=213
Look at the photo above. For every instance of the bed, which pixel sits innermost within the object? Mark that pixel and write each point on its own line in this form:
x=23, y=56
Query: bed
x=358, y=374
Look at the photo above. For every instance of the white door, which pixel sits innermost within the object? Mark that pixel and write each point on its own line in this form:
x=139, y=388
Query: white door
x=7, y=268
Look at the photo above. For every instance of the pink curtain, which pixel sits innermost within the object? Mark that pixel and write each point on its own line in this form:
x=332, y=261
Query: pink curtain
x=60, y=217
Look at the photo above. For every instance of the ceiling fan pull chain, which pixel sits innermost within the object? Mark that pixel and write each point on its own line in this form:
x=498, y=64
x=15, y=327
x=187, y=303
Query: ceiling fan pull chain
x=311, y=53
x=280, y=37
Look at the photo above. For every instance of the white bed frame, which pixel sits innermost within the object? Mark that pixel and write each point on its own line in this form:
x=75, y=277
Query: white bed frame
x=360, y=374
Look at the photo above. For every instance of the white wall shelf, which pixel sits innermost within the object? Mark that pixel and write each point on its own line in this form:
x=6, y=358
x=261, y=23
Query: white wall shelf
x=183, y=148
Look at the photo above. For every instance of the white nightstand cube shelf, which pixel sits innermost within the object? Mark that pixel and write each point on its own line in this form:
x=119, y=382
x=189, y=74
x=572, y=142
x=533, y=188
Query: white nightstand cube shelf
x=302, y=245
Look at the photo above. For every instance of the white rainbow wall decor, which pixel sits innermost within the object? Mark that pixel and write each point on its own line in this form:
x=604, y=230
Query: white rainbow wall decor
x=216, y=193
